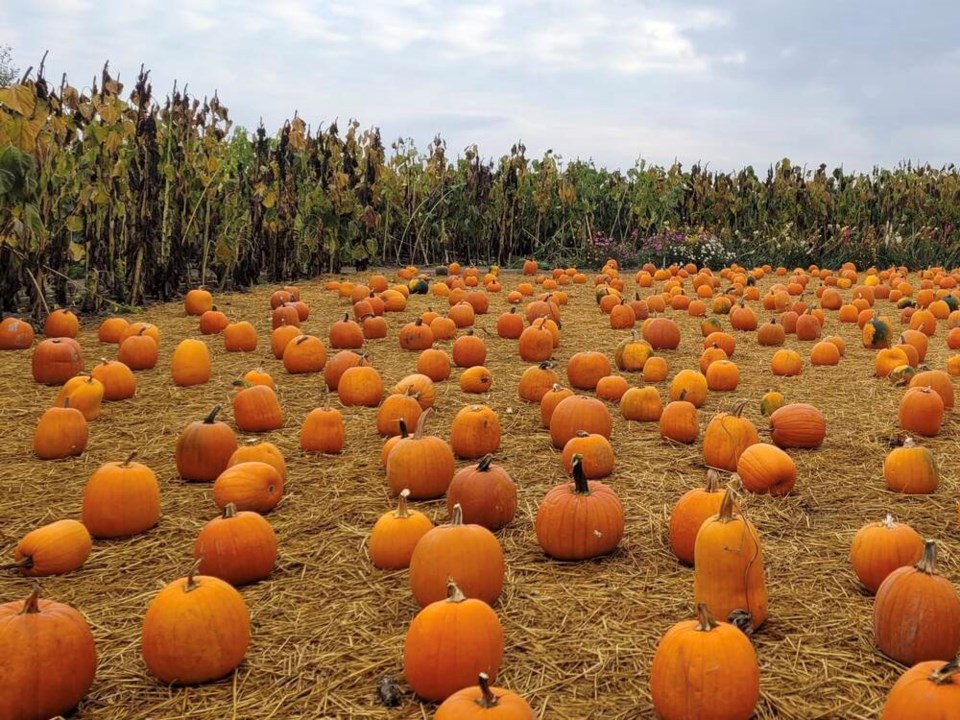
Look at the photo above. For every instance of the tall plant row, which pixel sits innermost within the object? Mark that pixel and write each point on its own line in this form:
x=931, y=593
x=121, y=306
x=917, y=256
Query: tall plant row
x=114, y=197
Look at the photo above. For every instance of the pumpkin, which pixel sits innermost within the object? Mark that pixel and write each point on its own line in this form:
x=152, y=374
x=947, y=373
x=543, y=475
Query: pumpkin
x=49, y=658
x=911, y=469
x=662, y=333
x=691, y=385
x=584, y=369
x=55, y=549
x=61, y=323
x=579, y=413
x=485, y=493
x=728, y=565
x=475, y=432
x=921, y=411
x=249, y=485
x=339, y=364
x=549, y=402
x=536, y=381
x=711, y=355
x=257, y=409
x=722, y=340
x=929, y=689
x=705, y=669
x=204, y=448
x=879, y=548
x=139, y=352
x=435, y=364
x=476, y=379
x=689, y=513
x=56, y=360
x=771, y=402
x=121, y=499
x=825, y=352
x=395, y=408
x=360, y=385
x=141, y=328
x=61, y=432
x=304, y=354
x=468, y=553
x=723, y=376
x=469, y=351
x=260, y=451
x=239, y=547
x=190, y=364
x=443, y=328
x=797, y=425
x=119, y=382
x=197, y=301
x=197, y=629
x=938, y=381
x=632, y=353
x=462, y=314
x=595, y=453
x=510, y=325
x=771, y=333
x=323, y=431
x=642, y=404
x=484, y=701
x=765, y=468
x=680, y=421
x=345, y=333
x=419, y=386
x=449, y=643
x=655, y=369
x=611, y=388
x=579, y=520
x=916, y=614
x=536, y=343
x=16, y=334
x=423, y=464
x=374, y=327
x=213, y=322
x=786, y=363
x=396, y=534
x=240, y=337
x=84, y=393
x=876, y=333
x=727, y=437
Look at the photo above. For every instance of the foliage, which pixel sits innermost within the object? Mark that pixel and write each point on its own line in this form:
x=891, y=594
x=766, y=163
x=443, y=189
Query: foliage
x=8, y=71
x=113, y=197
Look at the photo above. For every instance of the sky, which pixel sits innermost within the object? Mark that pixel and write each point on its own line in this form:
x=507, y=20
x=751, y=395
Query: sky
x=726, y=83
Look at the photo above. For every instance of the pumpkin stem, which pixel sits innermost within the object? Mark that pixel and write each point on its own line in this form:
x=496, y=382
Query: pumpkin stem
x=739, y=408
x=908, y=442
x=191, y=583
x=454, y=593
x=487, y=699
x=943, y=675
x=24, y=563
x=888, y=522
x=928, y=562
x=346, y=317
x=230, y=511
x=726, y=506
x=546, y=365
x=130, y=457
x=212, y=416
x=581, y=486
x=485, y=461
x=421, y=423
x=402, y=511
x=704, y=618
x=713, y=481
x=32, y=604
x=457, y=518
x=404, y=433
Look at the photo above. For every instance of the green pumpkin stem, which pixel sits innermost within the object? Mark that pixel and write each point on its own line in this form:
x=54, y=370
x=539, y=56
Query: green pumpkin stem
x=580, y=484
x=705, y=620
x=211, y=418
x=928, y=562
x=487, y=699
x=485, y=462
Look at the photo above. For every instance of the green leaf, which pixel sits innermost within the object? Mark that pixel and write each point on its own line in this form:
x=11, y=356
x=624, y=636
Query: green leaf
x=74, y=223
x=77, y=252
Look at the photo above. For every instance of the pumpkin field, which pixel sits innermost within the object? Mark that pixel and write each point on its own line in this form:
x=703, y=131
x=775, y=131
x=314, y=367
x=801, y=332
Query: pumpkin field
x=602, y=461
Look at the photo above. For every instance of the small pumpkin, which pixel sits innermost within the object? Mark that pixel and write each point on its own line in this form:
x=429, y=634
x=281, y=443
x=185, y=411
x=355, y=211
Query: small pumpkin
x=486, y=494
x=323, y=431
x=257, y=409
x=423, y=464
x=689, y=513
x=360, y=385
x=549, y=402
x=476, y=379
x=56, y=360
x=204, y=448
x=260, y=451
x=484, y=702
x=393, y=409
x=727, y=437
x=765, y=468
x=929, y=689
x=879, y=548
x=680, y=421
x=304, y=354
x=84, y=392
x=536, y=381
x=16, y=334
x=396, y=534
x=797, y=425
x=190, y=364
x=911, y=469
x=475, y=431
x=250, y=485
x=586, y=368
x=121, y=499
x=642, y=404
x=921, y=411
x=61, y=432
x=595, y=452
x=239, y=547
x=579, y=413
x=139, y=352
x=54, y=549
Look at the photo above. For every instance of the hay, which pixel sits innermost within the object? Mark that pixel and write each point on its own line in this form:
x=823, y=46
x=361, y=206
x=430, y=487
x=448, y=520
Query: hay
x=580, y=637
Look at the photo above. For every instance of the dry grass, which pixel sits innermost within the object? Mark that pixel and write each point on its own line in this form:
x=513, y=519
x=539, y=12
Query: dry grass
x=580, y=637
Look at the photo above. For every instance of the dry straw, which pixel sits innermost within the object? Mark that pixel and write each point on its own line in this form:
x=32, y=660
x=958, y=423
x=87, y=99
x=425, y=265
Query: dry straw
x=327, y=626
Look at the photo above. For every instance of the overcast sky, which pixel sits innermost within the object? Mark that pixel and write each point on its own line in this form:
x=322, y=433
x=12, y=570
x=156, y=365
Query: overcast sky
x=858, y=82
